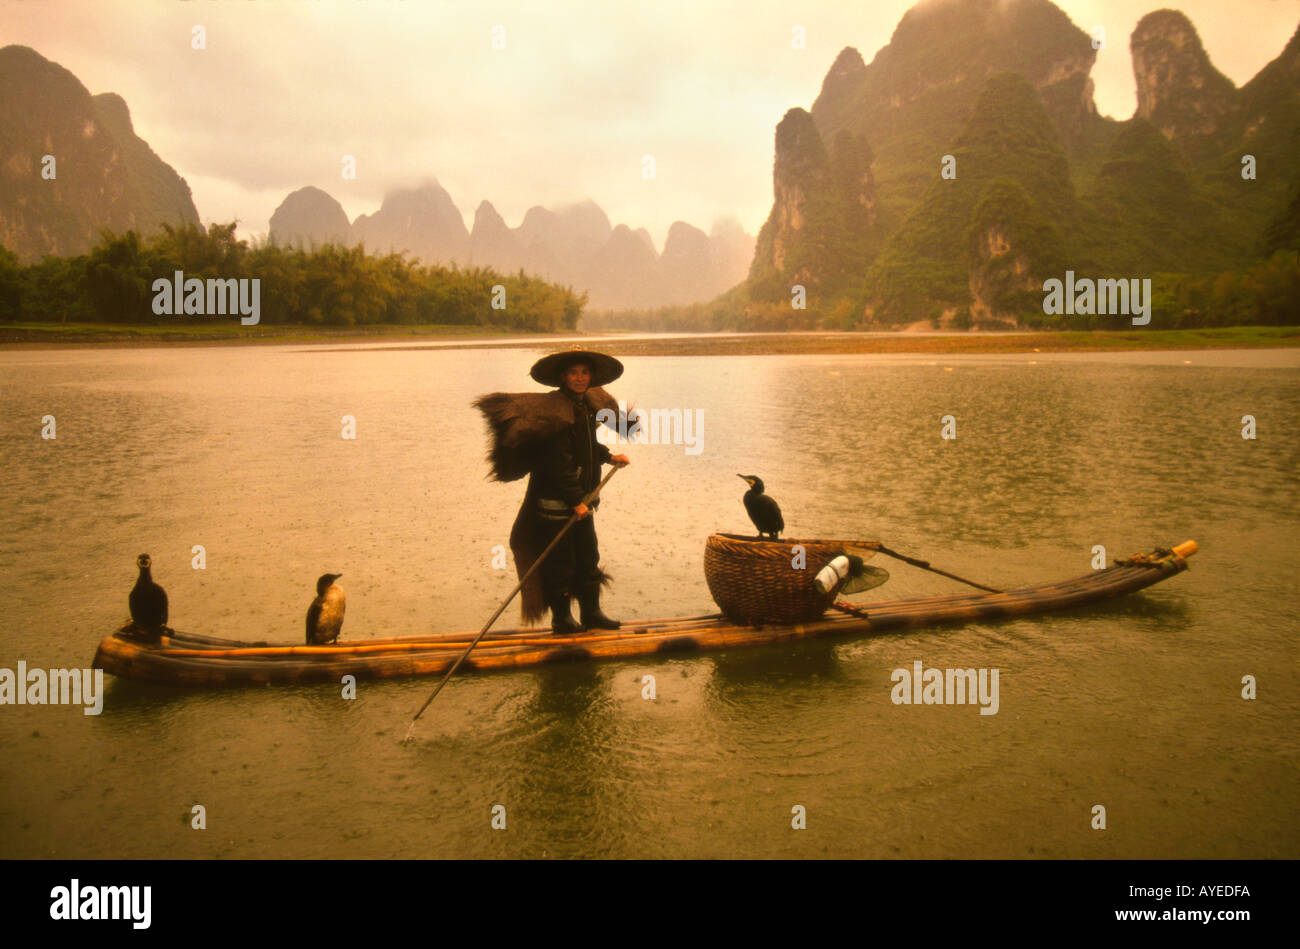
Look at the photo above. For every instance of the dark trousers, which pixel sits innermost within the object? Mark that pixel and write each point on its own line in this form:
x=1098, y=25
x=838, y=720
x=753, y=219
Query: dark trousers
x=571, y=568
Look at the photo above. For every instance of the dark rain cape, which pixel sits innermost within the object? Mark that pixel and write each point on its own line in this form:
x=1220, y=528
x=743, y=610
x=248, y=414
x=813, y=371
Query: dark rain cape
x=520, y=423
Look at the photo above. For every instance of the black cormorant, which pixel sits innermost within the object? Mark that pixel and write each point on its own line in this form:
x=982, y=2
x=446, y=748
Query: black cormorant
x=325, y=615
x=148, y=601
x=763, y=511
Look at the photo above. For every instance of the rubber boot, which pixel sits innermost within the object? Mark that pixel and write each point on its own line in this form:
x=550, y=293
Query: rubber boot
x=562, y=622
x=592, y=615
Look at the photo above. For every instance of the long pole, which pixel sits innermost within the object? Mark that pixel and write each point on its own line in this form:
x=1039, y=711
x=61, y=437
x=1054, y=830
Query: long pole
x=925, y=565
x=410, y=730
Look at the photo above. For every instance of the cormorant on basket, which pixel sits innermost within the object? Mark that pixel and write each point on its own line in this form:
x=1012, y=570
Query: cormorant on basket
x=763, y=509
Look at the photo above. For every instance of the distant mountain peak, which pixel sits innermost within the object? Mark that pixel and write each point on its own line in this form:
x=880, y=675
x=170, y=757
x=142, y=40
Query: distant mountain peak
x=727, y=226
x=574, y=244
x=844, y=75
x=113, y=106
x=915, y=91
x=310, y=217
x=646, y=239
x=586, y=213
x=685, y=241
x=487, y=215
x=107, y=176
x=421, y=220
x=1178, y=89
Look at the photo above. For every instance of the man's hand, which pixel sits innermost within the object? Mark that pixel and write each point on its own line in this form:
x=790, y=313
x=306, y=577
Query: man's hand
x=618, y=461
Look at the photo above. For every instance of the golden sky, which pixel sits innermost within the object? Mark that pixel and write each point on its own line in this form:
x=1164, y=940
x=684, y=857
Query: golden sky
x=581, y=91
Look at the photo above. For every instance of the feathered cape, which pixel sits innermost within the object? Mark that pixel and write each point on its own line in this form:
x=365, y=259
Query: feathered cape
x=520, y=422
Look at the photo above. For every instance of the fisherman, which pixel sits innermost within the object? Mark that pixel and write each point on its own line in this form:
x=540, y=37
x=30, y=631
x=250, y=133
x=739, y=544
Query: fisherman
x=552, y=438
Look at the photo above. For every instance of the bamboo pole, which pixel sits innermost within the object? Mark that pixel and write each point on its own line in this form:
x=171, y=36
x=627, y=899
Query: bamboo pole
x=573, y=519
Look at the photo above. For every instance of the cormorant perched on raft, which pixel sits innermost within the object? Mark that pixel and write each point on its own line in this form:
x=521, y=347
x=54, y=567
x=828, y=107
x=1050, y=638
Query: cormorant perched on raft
x=763, y=511
x=325, y=615
x=148, y=601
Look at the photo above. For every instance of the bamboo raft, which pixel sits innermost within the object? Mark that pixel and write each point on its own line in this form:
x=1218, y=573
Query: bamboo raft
x=192, y=660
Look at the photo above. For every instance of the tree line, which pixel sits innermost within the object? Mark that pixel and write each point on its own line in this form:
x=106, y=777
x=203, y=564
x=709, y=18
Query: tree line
x=338, y=286
x=326, y=286
x=1266, y=293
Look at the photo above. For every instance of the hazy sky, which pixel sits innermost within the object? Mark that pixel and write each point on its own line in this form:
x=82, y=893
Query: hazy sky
x=567, y=110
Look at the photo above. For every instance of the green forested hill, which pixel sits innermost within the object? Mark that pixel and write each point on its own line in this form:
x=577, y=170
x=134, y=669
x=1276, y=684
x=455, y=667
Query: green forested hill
x=1011, y=186
x=1199, y=191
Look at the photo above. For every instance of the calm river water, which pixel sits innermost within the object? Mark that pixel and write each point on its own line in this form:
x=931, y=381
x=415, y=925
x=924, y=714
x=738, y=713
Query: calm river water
x=1136, y=705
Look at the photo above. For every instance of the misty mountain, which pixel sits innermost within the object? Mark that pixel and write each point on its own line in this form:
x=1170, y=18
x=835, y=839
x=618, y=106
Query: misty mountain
x=105, y=176
x=575, y=245
x=310, y=217
x=421, y=222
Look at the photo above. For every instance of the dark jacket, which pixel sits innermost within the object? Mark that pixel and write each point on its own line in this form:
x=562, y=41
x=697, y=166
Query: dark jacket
x=569, y=467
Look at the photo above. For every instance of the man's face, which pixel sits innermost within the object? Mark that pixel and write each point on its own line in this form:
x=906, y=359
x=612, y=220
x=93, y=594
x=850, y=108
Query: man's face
x=577, y=378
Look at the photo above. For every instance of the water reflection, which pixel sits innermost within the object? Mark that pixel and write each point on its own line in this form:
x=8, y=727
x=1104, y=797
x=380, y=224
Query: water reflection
x=738, y=672
x=568, y=775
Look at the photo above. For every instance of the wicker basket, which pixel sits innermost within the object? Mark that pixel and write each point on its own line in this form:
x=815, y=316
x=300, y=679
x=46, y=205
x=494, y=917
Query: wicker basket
x=754, y=583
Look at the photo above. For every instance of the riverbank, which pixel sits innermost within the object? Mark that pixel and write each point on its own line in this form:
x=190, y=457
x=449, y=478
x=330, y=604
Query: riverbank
x=759, y=344
x=24, y=335
x=37, y=335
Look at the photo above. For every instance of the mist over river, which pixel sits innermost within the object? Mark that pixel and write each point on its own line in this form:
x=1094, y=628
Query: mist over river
x=1135, y=705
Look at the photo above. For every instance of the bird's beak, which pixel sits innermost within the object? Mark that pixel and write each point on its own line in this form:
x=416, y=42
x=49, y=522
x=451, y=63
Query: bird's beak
x=743, y=478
